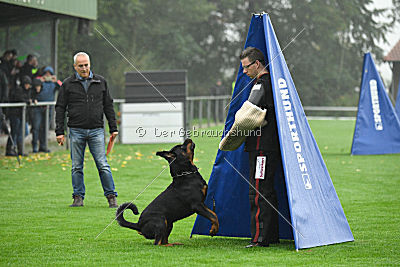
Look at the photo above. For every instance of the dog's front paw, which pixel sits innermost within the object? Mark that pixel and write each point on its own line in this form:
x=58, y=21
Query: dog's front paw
x=214, y=230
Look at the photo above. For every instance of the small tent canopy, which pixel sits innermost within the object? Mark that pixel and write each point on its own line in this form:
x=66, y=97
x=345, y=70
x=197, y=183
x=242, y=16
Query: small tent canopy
x=310, y=211
x=377, y=126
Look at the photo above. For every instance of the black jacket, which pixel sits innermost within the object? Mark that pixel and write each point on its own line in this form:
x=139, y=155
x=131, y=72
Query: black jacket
x=261, y=95
x=84, y=109
x=3, y=87
x=19, y=95
x=26, y=70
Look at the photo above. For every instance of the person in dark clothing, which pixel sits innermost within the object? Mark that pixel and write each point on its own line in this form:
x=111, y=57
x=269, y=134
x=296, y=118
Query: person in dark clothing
x=15, y=71
x=264, y=153
x=38, y=120
x=85, y=97
x=5, y=73
x=30, y=67
x=49, y=87
x=3, y=87
x=44, y=90
x=217, y=89
x=6, y=63
x=3, y=99
x=216, y=106
x=20, y=94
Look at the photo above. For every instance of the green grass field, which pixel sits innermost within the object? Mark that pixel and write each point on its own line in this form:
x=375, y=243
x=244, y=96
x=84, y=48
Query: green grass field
x=38, y=227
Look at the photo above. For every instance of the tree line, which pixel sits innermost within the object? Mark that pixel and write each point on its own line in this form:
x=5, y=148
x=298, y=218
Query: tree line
x=205, y=37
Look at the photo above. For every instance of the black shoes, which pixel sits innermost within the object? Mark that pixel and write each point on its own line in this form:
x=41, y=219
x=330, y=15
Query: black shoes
x=11, y=154
x=252, y=245
x=257, y=244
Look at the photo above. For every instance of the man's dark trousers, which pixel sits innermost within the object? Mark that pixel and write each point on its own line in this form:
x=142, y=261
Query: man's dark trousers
x=264, y=218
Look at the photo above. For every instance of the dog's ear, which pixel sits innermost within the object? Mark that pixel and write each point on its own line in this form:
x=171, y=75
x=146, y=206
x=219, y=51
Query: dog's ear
x=187, y=141
x=188, y=145
x=168, y=155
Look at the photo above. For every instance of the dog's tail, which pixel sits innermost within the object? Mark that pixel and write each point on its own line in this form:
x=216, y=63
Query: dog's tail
x=120, y=216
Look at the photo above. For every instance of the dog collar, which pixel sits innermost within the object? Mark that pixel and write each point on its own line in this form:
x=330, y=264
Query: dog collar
x=184, y=173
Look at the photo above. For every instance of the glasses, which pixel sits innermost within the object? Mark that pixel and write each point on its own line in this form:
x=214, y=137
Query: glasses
x=83, y=65
x=248, y=66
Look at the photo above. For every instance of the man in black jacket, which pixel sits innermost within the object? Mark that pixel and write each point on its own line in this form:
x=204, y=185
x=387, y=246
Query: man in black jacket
x=85, y=97
x=3, y=99
x=264, y=153
x=20, y=94
x=30, y=67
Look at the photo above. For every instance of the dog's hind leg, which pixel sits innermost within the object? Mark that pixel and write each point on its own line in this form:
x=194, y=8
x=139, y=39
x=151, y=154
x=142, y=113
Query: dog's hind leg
x=169, y=229
x=161, y=233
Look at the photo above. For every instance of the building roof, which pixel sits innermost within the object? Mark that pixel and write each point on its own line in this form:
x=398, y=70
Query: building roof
x=24, y=10
x=394, y=54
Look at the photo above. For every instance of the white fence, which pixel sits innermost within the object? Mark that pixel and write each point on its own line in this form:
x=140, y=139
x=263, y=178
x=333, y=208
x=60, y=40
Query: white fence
x=206, y=111
x=23, y=118
x=209, y=110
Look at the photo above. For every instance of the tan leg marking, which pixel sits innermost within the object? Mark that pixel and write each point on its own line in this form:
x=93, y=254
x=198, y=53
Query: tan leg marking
x=214, y=222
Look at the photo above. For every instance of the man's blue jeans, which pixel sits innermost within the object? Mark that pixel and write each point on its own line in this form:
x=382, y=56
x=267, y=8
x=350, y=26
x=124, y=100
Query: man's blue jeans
x=39, y=129
x=95, y=140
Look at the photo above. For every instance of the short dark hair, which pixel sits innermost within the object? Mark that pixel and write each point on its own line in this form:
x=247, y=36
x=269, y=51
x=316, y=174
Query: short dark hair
x=253, y=54
x=7, y=52
x=30, y=57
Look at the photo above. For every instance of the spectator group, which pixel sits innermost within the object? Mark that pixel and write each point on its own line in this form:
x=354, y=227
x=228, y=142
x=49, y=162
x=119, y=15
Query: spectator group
x=26, y=83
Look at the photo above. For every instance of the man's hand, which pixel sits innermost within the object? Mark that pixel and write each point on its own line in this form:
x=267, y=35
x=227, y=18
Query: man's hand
x=114, y=135
x=60, y=139
x=111, y=142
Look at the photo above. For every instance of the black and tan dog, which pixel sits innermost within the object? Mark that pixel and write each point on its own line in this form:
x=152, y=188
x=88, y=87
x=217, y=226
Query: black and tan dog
x=183, y=197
